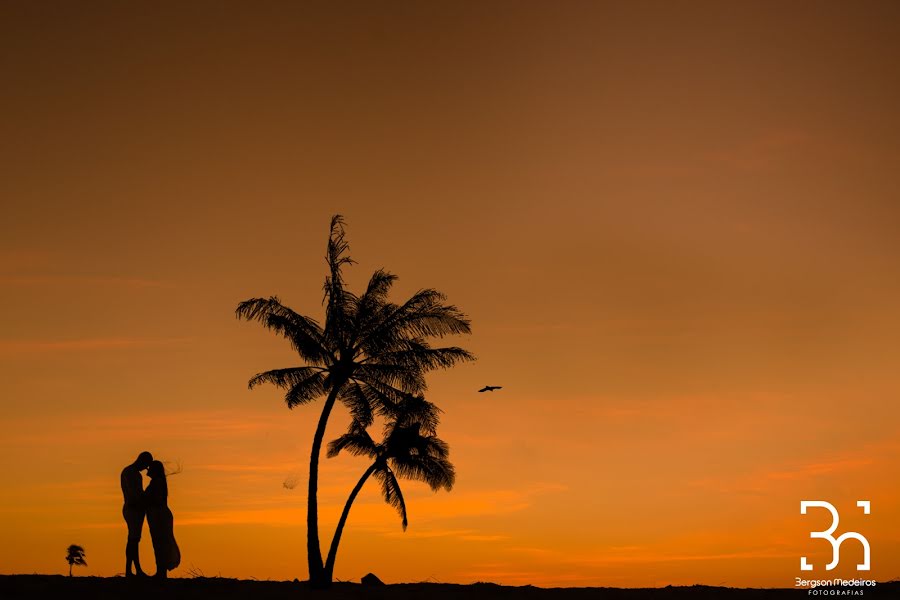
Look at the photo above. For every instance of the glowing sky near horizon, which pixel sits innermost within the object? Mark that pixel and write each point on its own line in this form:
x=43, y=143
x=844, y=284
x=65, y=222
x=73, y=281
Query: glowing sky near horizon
x=674, y=229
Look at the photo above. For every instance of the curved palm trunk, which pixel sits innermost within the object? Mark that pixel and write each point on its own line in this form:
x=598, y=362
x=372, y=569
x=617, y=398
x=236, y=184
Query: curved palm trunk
x=70, y=569
x=332, y=552
x=313, y=550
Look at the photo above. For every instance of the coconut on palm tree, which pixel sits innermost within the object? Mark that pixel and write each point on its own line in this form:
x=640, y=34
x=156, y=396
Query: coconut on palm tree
x=369, y=355
x=75, y=556
x=410, y=449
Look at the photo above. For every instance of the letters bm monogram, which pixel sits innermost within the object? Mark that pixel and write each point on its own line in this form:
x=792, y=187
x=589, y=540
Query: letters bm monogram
x=836, y=542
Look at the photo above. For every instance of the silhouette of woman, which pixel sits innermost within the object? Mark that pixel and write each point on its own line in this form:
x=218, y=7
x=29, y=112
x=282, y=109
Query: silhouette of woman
x=160, y=521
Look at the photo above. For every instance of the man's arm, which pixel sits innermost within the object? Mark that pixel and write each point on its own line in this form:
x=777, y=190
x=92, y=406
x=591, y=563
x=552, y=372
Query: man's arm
x=132, y=487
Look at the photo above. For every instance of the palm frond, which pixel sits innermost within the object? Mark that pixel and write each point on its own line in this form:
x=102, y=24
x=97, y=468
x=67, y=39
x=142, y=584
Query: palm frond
x=305, y=335
x=337, y=250
x=412, y=409
x=356, y=441
x=339, y=321
x=377, y=290
x=360, y=400
x=284, y=378
x=425, y=314
x=382, y=396
x=420, y=457
x=437, y=473
x=418, y=354
x=307, y=390
x=399, y=377
x=370, y=304
x=393, y=495
x=422, y=316
x=338, y=301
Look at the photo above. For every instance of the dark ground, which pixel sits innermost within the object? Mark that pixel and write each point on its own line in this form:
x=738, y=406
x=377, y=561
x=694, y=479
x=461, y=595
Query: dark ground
x=14, y=587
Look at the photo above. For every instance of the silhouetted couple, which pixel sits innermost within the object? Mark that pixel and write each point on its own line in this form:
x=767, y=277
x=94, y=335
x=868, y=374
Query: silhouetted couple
x=152, y=503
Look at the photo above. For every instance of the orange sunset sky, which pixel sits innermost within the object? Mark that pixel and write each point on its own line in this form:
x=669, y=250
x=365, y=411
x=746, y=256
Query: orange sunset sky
x=673, y=225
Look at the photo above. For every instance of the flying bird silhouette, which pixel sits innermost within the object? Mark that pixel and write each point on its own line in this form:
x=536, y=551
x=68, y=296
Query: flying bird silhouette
x=490, y=388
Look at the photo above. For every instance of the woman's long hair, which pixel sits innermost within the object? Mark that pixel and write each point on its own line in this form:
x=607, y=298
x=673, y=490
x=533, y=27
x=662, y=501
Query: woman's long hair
x=157, y=472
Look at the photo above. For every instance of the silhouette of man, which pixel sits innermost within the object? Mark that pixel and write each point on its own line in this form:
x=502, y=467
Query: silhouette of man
x=134, y=510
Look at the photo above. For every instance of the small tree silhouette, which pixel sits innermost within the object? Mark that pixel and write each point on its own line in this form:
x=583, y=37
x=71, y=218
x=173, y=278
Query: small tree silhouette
x=75, y=556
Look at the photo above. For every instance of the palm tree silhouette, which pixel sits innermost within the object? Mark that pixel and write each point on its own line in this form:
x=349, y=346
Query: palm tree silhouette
x=75, y=556
x=410, y=449
x=369, y=355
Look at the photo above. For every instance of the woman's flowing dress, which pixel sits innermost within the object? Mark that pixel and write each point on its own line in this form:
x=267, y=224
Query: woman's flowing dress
x=161, y=525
